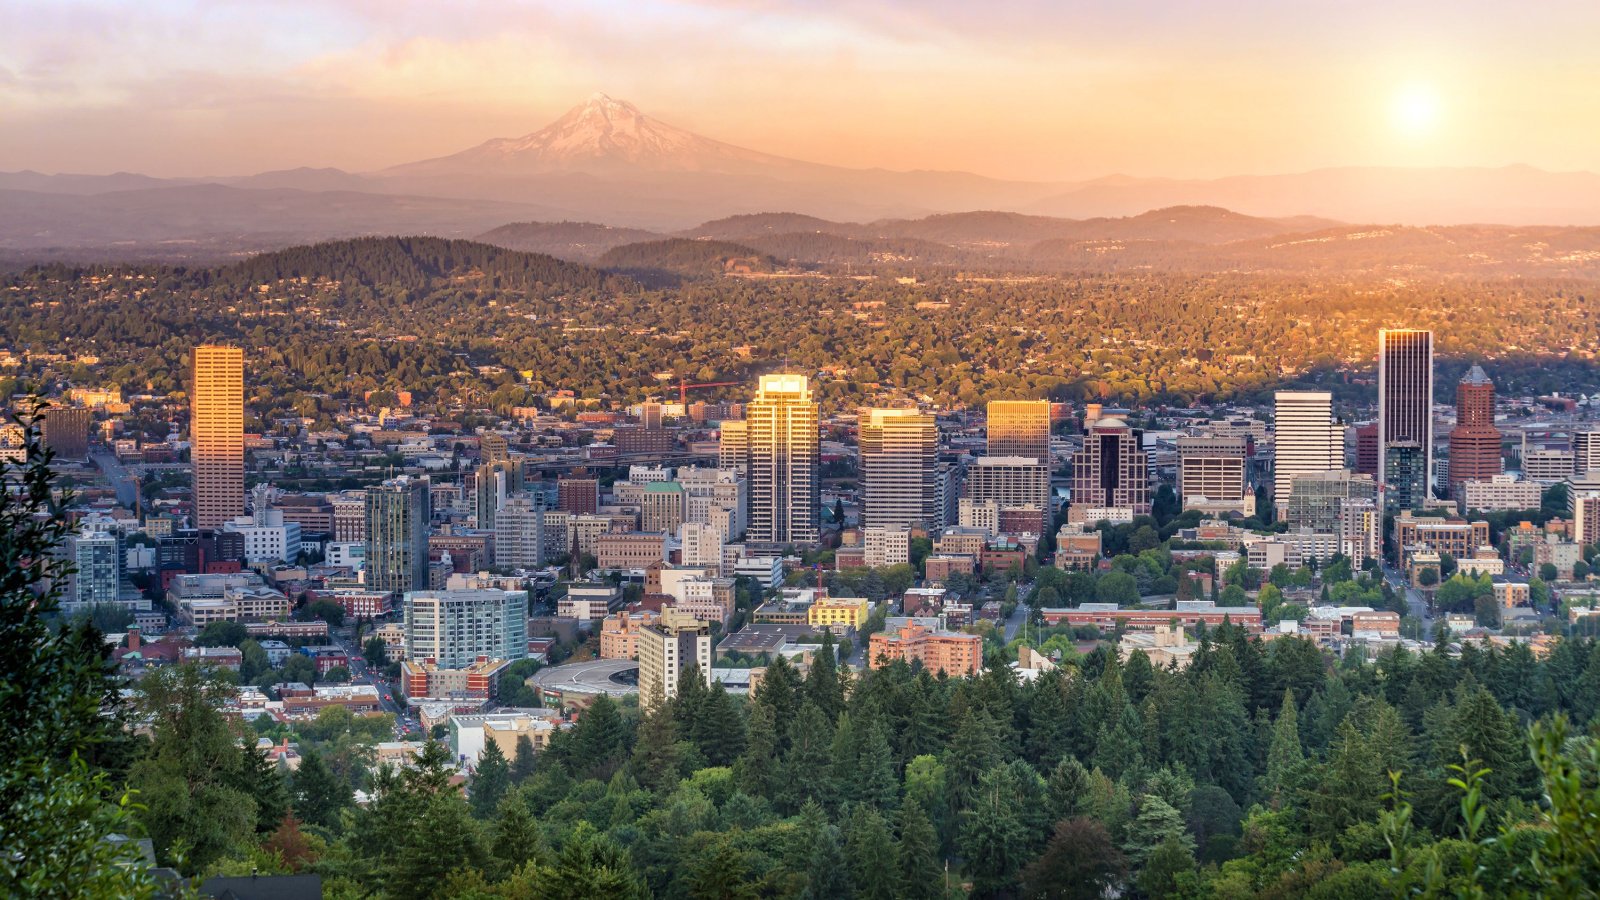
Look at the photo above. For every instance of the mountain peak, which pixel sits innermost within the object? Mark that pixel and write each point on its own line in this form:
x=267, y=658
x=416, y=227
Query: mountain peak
x=600, y=135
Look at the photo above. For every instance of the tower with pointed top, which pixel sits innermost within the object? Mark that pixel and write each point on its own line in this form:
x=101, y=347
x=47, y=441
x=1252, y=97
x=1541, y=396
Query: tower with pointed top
x=1474, y=442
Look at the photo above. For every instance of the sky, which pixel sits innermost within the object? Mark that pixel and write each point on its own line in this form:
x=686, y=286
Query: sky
x=1052, y=91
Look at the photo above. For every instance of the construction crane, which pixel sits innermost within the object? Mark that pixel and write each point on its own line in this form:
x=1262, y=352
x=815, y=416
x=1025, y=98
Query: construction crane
x=684, y=386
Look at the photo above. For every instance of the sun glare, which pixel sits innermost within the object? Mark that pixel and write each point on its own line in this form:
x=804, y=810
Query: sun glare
x=1414, y=111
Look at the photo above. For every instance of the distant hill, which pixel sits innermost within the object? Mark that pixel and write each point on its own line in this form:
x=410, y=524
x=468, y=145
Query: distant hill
x=581, y=241
x=676, y=259
x=738, y=228
x=417, y=263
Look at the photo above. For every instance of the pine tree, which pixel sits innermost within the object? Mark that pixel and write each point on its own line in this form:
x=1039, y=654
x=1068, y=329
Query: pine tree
x=825, y=877
x=318, y=794
x=995, y=843
x=1067, y=789
x=822, y=684
x=867, y=846
x=920, y=875
x=718, y=731
x=1171, y=859
x=515, y=839
x=600, y=740
x=809, y=756
x=1156, y=823
x=258, y=776
x=779, y=693
x=756, y=771
x=722, y=874
x=974, y=749
x=1285, y=756
x=439, y=840
x=522, y=763
x=878, y=785
x=656, y=760
x=490, y=781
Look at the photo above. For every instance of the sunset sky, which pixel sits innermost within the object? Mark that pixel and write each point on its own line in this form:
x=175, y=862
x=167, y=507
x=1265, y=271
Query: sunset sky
x=1035, y=90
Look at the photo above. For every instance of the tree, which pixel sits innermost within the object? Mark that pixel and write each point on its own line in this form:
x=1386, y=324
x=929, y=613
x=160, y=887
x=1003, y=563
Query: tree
x=317, y=795
x=1156, y=823
x=1428, y=577
x=917, y=859
x=867, y=845
x=189, y=781
x=336, y=675
x=1117, y=587
x=656, y=757
x=995, y=842
x=717, y=730
x=253, y=661
x=722, y=874
x=54, y=810
x=299, y=667
x=1079, y=863
x=1548, y=572
x=514, y=841
x=1171, y=859
x=522, y=762
x=1285, y=755
x=490, y=781
x=221, y=634
x=376, y=652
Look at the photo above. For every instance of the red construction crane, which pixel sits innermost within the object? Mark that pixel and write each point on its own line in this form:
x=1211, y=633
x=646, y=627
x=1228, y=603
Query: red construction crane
x=684, y=386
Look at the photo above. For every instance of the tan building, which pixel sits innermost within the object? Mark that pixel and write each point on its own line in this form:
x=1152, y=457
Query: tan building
x=1020, y=428
x=667, y=649
x=938, y=651
x=886, y=545
x=619, y=633
x=1457, y=537
x=630, y=549
x=783, y=459
x=216, y=428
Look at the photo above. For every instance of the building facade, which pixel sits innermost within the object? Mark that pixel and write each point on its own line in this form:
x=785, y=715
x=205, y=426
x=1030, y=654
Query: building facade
x=1112, y=470
x=1474, y=442
x=216, y=427
x=397, y=525
x=1405, y=407
x=900, y=469
x=1305, y=441
x=784, y=453
x=1019, y=428
x=455, y=628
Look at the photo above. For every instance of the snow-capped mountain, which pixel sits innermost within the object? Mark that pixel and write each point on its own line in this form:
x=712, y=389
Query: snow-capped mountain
x=600, y=135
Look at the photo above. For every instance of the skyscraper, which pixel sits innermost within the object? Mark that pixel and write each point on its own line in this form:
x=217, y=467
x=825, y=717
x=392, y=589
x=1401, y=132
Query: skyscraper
x=454, y=628
x=1112, y=470
x=1305, y=440
x=1020, y=428
x=397, y=534
x=900, y=469
x=216, y=427
x=495, y=481
x=1405, y=406
x=66, y=430
x=784, y=451
x=733, y=447
x=519, y=532
x=1474, y=442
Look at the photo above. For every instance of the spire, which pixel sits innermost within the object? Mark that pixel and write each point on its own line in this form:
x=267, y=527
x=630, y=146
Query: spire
x=1476, y=375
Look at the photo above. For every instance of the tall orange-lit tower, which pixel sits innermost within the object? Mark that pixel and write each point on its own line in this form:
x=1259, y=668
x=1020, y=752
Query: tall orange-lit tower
x=216, y=434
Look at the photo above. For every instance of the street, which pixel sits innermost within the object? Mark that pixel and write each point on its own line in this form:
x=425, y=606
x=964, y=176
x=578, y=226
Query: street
x=1416, y=605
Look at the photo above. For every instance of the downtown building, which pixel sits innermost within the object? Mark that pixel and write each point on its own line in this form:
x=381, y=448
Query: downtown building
x=783, y=453
x=1111, y=472
x=1305, y=440
x=1012, y=484
x=1019, y=428
x=456, y=628
x=900, y=474
x=216, y=427
x=668, y=648
x=1212, y=474
x=1474, y=442
x=519, y=541
x=398, y=513
x=1405, y=416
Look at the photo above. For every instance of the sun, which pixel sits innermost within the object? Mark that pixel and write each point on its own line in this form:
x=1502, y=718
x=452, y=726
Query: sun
x=1414, y=110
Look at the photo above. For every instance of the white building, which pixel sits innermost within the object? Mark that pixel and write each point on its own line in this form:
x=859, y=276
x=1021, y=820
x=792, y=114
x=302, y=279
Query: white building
x=454, y=628
x=886, y=545
x=267, y=537
x=1502, y=492
x=1305, y=440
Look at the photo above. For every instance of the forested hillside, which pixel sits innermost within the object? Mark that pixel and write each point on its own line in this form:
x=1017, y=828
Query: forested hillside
x=455, y=330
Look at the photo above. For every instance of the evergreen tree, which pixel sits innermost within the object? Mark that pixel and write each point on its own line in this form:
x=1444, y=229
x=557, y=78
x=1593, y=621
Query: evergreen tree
x=490, y=781
x=514, y=840
x=995, y=842
x=656, y=756
x=441, y=839
x=722, y=874
x=1067, y=789
x=188, y=780
x=1156, y=823
x=756, y=771
x=718, y=731
x=822, y=685
x=868, y=846
x=522, y=763
x=820, y=856
x=258, y=776
x=974, y=750
x=600, y=741
x=878, y=785
x=318, y=795
x=917, y=860
x=1285, y=756
x=809, y=757
x=1164, y=867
